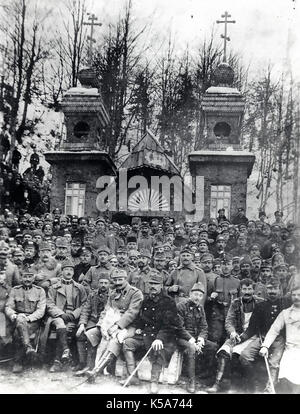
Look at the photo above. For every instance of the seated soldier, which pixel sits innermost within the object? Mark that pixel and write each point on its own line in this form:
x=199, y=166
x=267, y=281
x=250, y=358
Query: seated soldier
x=236, y=323
x=127, y=300
x=193, y=317
x=89, y=317
x=25, y=308
x=158, y=326
x=64, y=301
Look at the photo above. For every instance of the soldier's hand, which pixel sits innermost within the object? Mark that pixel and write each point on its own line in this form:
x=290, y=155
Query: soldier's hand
x=113, y=329
x=138, y=332
x=234, y=336
x=200, y=342
x=157, y=345
x=192, y=340
x=80, y=330
x=21, y=316
x=214, y=295
x=264, y=352
x=173, y=289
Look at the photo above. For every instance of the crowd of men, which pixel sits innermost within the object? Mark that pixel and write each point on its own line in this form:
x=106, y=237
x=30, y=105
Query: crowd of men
x=84, y=293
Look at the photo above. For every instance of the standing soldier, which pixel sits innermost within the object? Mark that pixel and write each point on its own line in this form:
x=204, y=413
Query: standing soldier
x=145, y=241
x=127, y=299
x=34, y=158
x=139, y=278
x=160, y=265
x=25, y=308
x=15, y=160
x=185, y=276
x=5, y=324
x=89, y=317
x=91, y=279
x=64, y=302
x=206, y=262
x=62, y=249
x=226, y=288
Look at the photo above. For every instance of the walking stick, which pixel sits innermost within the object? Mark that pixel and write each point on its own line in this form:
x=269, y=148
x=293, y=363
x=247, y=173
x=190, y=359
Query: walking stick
x=137, y=367
x=5, y=360
x=268, y=370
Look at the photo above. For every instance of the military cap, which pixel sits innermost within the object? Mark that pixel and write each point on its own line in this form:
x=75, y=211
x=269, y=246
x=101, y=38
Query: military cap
x=17, y=250
x=29, y=243
x=213, y=221
x=145, y=253
x=57, y=210
x=266, y=264
x=131, y=239
x=45, y=246
x=133, y=253
x=27, y=272
x=154, y=221
x=206, y=256
x=178, y=226
x=37, y=232
x=167, y=246
x=186, y=250
x=255, y=258
x=198, y=286
x=203, y=231
x=98, y=219
x=67, y=263
x=203, y=241
x=236, y=259
x=280, y=266
x=161, y=256
x=103, y=249
x=135, y=220
x=255, y=246
x=274, y=281
x=170, y=231
x=84, y=249
x=118, y=273
x=225, y=222
x=289, y=242
x=104, y=275
x=221, y=209
x=245, y=260
x=145, y=224
x=122, y=249
x=220, y=237
x=194, y=231
x=155, y=277
x=61, y=242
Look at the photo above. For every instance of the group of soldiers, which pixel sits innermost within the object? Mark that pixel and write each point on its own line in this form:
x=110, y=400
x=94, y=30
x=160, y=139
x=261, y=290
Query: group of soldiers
x=87, y=293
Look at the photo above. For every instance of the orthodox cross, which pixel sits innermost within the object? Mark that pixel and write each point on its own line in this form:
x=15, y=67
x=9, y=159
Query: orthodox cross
x=224, y=36
x=93, y=23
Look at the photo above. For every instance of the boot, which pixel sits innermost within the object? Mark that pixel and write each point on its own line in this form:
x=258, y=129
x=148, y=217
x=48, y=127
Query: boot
x=82, y=353
x=220, y=372
x=155, y=374
x=191, y=373
x=91, y=355
x=130, y=362
x=191, y=386
x=56, y=367
x=66, y=356
x=61, y=342
x=106, y=359
x=17, y=368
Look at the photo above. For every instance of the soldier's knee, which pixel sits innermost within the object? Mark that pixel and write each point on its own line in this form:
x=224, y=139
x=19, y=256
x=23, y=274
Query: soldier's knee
x=129, y=345
x=21, y=321
x=59, y=323
x=244, y=359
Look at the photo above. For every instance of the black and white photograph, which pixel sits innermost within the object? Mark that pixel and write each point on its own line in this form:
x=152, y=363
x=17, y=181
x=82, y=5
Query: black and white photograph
x=150, y=199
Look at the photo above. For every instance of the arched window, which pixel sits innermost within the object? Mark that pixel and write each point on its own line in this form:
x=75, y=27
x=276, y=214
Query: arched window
x=81, y=129
x=222, y=129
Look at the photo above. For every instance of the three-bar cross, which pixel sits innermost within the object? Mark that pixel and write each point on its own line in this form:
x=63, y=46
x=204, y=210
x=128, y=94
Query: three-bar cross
x=93, y=23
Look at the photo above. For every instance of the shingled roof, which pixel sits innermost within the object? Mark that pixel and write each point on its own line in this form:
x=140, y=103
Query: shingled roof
x=149, y=153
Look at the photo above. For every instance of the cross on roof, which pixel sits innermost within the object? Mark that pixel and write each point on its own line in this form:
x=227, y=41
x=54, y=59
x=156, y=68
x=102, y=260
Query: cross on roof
x=93, y=23
x=224, y=36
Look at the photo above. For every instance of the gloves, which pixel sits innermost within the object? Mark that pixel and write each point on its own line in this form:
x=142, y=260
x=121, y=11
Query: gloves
x=80, y=330
x=264, y=352
x=67, y=317
x=235, y=337
x=157, y=345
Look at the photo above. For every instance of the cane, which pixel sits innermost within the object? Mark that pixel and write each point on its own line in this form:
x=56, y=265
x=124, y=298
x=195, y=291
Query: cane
x=137, y=367
x=268, y=370
x=5, y=360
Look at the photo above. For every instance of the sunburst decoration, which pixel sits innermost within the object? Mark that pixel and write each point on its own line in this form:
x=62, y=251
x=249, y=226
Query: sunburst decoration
x=146, y=200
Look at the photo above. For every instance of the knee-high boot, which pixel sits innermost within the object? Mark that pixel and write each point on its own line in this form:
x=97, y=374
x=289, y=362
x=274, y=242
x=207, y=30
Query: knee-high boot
x=105, y=360
x=220, y=373
x=130, y=362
